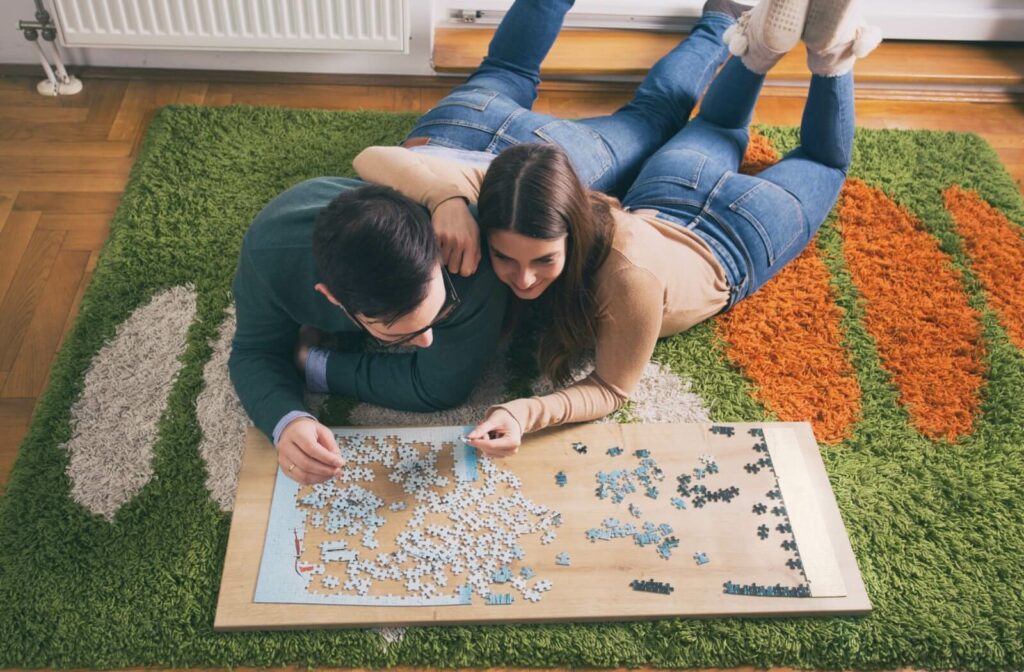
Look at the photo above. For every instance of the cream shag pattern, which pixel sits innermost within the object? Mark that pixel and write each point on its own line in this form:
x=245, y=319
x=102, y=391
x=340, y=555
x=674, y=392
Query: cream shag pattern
x=222, y=420
x=115, y=420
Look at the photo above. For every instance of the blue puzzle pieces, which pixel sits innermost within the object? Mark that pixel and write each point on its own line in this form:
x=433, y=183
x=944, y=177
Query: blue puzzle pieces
x=701, y=558
x=495, y=599
x=651, y=586
x=560, y=479
x=562, y=559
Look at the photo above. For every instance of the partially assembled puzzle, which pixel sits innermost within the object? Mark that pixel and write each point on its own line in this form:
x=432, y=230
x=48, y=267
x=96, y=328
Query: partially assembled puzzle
x=585, y=522
x=456, y=523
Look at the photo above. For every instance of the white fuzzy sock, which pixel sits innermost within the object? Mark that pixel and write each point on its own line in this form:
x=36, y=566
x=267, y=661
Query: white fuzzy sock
x=839, y=59
x=763, y=35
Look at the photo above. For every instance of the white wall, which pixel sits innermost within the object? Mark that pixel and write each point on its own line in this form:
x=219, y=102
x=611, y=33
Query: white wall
x=900, y=19
x=15, y=49
x=977, y=20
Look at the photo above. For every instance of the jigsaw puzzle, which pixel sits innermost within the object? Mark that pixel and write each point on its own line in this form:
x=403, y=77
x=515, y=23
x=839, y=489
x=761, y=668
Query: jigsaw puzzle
x=419, y=522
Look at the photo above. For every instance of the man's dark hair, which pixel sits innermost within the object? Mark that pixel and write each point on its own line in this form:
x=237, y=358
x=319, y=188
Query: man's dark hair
x=376, y=251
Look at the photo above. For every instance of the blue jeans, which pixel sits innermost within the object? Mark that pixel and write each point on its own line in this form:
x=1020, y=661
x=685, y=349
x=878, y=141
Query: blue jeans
x=491, y=110
x=754, y=224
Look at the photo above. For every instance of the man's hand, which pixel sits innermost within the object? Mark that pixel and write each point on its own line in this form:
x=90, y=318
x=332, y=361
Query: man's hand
x=499, y=435
x=308, y=453
x=459, y=236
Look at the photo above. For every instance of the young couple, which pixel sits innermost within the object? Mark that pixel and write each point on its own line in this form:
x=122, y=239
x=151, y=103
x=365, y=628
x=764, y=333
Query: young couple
x=689, y=238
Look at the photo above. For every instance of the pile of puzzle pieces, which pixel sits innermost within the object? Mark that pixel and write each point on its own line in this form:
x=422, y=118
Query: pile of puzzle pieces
x=474, y=536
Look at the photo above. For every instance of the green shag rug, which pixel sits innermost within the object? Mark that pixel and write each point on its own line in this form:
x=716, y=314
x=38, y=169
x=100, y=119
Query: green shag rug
x=933, y=508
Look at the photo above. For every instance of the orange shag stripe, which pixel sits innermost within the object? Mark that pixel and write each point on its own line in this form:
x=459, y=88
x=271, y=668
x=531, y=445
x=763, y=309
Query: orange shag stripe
x=928, y=336
x=786, y=338
x=996, y=248
x=760, y=154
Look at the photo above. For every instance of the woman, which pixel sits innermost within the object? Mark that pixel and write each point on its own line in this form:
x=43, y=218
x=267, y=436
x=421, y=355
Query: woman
x=692, y=236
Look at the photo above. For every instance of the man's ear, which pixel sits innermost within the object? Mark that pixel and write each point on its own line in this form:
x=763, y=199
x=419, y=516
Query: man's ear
x=322, y=288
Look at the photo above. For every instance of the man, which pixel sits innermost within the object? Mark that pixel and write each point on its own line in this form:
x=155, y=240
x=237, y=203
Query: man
x=344, y=256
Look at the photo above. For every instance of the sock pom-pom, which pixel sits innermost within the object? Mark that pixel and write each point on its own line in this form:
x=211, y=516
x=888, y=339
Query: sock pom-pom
x=868, y=38
x=737, y=42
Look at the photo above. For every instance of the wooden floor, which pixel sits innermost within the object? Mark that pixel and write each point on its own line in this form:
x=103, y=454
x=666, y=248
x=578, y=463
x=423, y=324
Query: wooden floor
x=64, y=163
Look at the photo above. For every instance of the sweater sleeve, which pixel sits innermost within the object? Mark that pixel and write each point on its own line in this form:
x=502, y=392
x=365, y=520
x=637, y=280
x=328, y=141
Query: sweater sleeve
x=268, y=384
x=631, y=317
x=428, y=180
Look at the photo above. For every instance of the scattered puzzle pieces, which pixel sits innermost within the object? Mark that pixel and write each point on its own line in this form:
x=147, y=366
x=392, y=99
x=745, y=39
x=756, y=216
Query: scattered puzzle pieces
x=615, y=451
x=651, y=586
x=701, y=558
x=723, y=430
x=560, y=479
x=778, y=590
x=579, y=447
x=562, y=559
x=494, y=599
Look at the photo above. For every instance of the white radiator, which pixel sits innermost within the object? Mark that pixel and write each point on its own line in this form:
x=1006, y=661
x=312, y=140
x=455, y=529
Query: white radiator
x=249, y=25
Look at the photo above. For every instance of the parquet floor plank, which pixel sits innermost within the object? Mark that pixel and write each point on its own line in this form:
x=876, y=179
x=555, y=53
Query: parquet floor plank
x=14, y=239
x=85, y=231
x=24, y=293
x=7, y=199
x=31, y=366
x=63, y=201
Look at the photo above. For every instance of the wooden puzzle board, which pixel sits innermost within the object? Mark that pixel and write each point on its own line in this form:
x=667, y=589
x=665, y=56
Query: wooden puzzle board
x=596, y=585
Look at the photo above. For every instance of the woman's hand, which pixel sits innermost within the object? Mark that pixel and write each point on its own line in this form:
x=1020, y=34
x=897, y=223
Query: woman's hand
x=499, y=435
x=459, y=236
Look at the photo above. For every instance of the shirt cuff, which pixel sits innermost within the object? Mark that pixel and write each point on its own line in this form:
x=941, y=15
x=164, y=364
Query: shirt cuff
x=286, y=420
x=316, y=370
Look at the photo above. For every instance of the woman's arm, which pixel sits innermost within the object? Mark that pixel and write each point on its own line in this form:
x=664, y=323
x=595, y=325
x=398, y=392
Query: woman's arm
x=632, y=305
x=428, y=180
x=444, y=187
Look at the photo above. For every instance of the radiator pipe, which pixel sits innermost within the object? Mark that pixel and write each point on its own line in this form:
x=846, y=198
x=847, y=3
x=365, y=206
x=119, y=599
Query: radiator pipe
x=46, y=66
x=57, y=84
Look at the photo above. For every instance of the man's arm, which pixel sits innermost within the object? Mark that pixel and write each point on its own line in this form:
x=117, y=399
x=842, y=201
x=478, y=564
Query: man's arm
x=434, y=378
x=268, y=384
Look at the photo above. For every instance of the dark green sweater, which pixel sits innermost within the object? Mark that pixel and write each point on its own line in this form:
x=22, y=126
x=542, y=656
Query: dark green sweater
x=274, y=295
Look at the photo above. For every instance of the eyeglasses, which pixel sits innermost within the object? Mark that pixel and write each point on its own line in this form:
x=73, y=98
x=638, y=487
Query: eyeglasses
x=451, y=302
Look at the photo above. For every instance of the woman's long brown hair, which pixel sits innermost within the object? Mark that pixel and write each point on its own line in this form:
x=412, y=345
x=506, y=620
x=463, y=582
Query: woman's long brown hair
x=534, y=191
